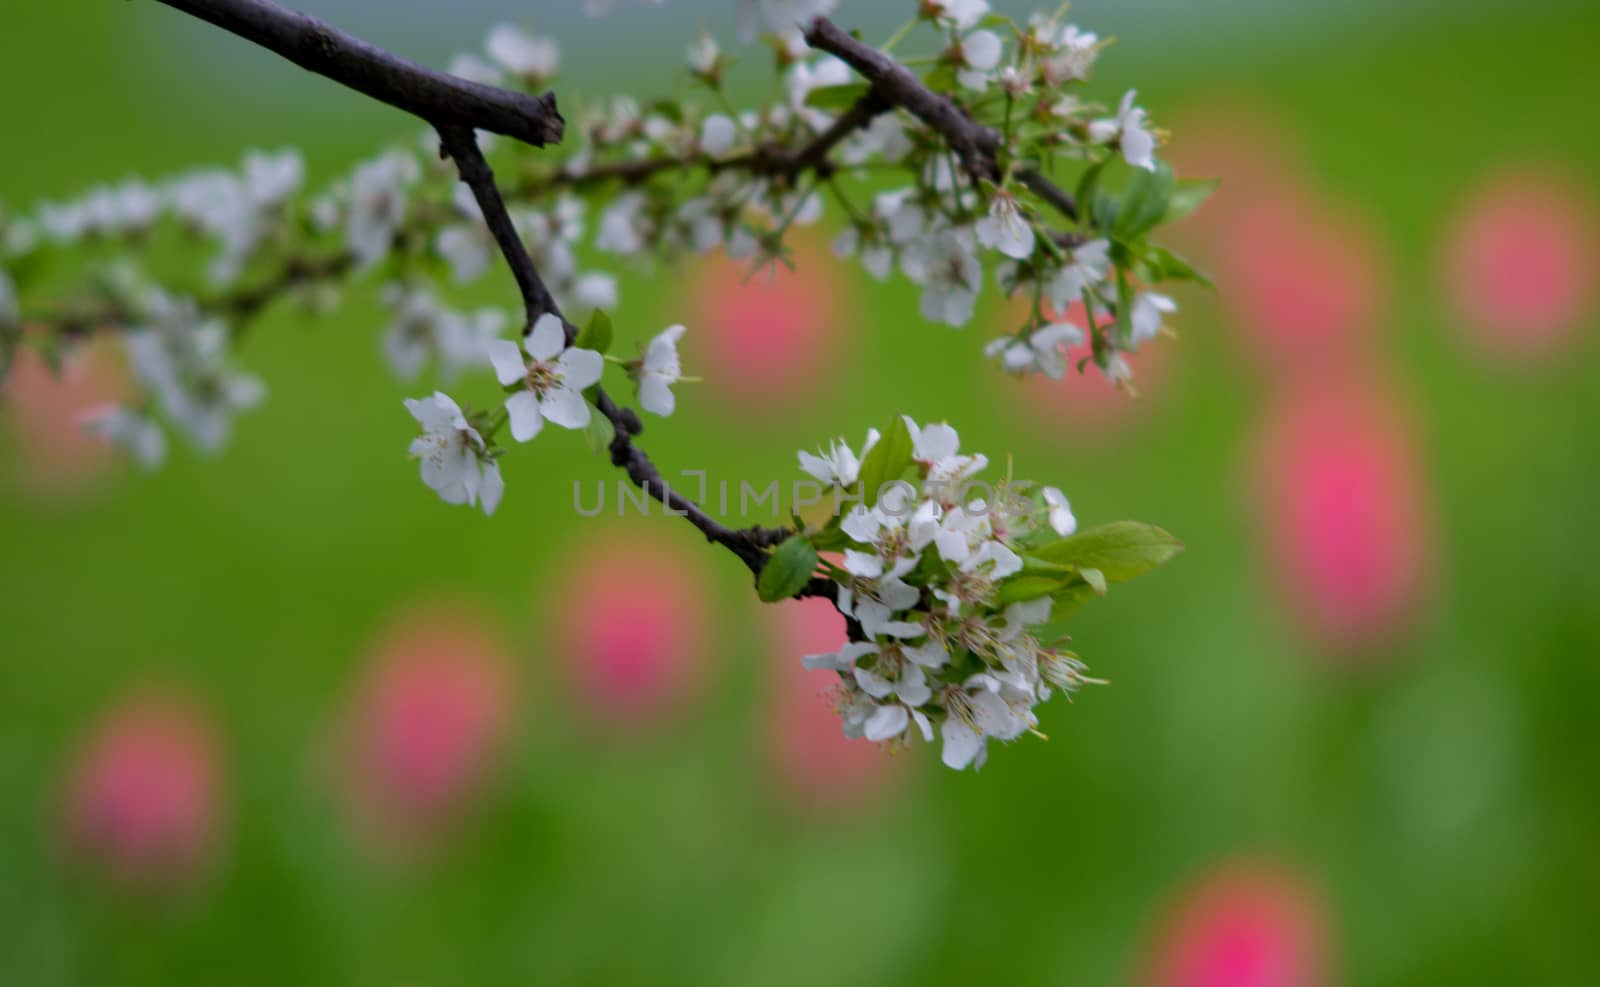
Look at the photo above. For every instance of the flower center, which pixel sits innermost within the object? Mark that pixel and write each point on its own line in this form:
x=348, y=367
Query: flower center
x=543, y=377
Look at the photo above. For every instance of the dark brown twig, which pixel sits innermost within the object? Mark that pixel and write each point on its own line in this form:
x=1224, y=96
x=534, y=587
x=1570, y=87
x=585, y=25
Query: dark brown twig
x=751, y=544
x=976, y=145
x=437, y=97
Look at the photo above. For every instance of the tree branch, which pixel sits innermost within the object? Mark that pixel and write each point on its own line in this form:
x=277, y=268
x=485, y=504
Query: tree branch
x=978, y=146
x=751, y=544
x=436, y=97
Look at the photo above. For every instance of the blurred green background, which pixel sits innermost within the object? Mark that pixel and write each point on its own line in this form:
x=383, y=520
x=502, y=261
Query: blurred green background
x=1418, y=799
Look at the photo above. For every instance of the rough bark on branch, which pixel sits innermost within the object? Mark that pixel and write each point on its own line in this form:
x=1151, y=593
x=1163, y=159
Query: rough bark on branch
x=437, y=97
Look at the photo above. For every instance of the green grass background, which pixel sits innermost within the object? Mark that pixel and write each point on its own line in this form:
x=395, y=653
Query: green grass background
x=257, y=579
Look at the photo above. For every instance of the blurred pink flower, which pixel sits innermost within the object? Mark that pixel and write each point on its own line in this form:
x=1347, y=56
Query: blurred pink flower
x=143, y=793
x=1521, y=260
x=814, y=763
x=1246, y=924
x=43, y=411
x=631, y=623
x=1343, y=509
x=767, y=340
x=1086, y=405
x=1301, y=278
x=427, y=725
x=1305, y=282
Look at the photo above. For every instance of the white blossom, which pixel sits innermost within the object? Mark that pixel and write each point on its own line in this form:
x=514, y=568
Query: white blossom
x=1145, y=318
x=1090, y=264
x=595, y=290
x=1130, y=132
x=551, y=379
x=533, y=58
x=1006, y=228
x=474, y=69
x=1061, y=517
x=977, y=55
x=1041, y=352
x=455, y=460
x=378, y=200
x=659, y=371
x=838, y=465
x=130, y=432
x=704, y=54
x=946, y=265
x=959, y=14
x=718, y=135
x=779, y=16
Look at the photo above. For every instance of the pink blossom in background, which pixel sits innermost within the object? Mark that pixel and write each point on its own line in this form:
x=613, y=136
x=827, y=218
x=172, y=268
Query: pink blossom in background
x=811, y=759
x=1302, y=279
x=632, y=628
x=42, y=411
x=1306, y=282
x=1085, y=406
x=1249, y=924
x=1520, y=262
x=427, y=725
x=143, y=796
x=1342, y=506
x=767, y=340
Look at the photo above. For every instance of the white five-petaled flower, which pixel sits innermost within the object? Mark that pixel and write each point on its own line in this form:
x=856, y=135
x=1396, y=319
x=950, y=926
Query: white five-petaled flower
x=978, y=710
x=946, y=265
x=1145, y=318
x=1006, y=228
x=977, y=54
x=936, y=449
x=455, y=460
x=1131, y=133
x=1090, y=264
x=838, y=465
x=129, y=431
x=659, y=370
x=1042, y=351
x=1074, y=56
x=535, y=59
x=552, y=379
x=378, y=205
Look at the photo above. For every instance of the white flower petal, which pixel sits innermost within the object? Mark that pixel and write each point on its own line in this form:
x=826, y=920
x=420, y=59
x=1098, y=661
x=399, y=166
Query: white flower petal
x=526, y=421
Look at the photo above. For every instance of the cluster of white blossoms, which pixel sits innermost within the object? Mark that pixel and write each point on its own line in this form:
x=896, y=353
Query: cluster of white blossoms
x=1059, y=212
x=955, y=589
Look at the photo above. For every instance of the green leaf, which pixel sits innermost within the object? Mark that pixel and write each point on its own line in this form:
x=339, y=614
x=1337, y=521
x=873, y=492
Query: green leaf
x=1165, y=265
x=1187, y=197
x=1103, y=211
x=1095, y=578
x=1032, y=566
x=1020, y=589
x=837, y=97
x=597, y=334
x=1121, y=550
x=1089, y=183
x=1146, y=201
x=788, y=570
x=888, y=460
x=1070, y=599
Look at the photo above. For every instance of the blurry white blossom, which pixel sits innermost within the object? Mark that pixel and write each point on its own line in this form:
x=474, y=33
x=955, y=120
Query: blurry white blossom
x=455, y=460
